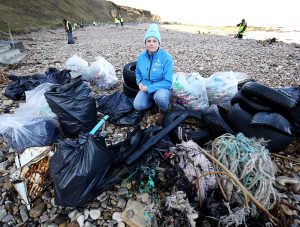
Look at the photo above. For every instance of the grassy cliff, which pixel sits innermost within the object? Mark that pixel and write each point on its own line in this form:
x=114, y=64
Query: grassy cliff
x=28, y=15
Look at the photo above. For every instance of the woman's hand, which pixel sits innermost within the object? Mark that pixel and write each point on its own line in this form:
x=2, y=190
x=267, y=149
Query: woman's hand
x=144, y=88
x=140, y=86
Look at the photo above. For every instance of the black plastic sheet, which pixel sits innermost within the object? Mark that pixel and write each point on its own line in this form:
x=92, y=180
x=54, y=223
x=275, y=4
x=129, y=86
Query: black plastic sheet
x=120, y=109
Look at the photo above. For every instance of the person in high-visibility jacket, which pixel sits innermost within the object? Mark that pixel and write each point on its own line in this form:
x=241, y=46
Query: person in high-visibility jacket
x=242, y=28
x=117, y=21
x=68, y=29
x=122, y=21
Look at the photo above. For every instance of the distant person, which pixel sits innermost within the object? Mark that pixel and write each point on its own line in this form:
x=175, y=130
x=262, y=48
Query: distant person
x=242, y=28
x=154, y=75
x=117, y=21
x=75, y=26
x=68, y=29
x=94, y=23
x=122, y=21
x=81, y=24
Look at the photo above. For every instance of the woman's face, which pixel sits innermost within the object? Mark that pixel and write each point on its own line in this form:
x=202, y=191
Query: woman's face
x=152, y=44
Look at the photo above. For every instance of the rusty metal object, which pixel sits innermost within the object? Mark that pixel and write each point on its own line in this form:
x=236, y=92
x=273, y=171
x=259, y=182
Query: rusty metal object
x=33, y=174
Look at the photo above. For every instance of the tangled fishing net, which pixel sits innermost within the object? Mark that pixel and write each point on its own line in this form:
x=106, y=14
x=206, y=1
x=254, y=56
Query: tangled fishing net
x=189, y=158
x=178, y=201
x=250, y=162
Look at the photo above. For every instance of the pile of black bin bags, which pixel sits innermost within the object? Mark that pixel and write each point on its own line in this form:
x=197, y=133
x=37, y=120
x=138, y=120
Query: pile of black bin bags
x=15, y=90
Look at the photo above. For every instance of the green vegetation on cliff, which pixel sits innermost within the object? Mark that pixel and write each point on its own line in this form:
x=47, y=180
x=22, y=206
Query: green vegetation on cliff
x=28, y=15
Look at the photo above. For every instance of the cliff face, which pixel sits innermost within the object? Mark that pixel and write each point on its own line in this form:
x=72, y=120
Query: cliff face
x=26, y=15
x=132, y=14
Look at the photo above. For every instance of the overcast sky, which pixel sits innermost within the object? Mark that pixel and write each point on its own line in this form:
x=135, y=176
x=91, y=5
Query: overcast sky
x=222, y=12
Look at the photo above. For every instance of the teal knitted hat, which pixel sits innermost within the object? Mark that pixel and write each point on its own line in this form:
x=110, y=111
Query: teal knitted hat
x=152, y=32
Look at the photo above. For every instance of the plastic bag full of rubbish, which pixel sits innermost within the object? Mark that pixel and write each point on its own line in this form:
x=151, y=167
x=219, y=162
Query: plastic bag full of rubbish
x=77, y=66
x=102, y=73
x=222, y=86
x=36, y=105
x=189, y=91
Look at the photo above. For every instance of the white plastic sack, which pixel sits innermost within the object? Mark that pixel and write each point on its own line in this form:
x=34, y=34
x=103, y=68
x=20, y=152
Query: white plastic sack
x=77, y=65
x=222, y=86
x=103, y=73
x=189, y=91
x=21, y=133
x=36, y=105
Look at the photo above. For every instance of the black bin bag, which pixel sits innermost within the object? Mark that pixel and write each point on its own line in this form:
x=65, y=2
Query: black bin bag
x=79, y=171
x=75, y=106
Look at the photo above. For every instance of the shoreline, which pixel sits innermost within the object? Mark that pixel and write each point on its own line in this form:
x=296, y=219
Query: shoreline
x=281, y=33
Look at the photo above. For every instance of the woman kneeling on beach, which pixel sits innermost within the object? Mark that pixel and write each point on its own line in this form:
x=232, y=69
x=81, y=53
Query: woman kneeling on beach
x=154, y=74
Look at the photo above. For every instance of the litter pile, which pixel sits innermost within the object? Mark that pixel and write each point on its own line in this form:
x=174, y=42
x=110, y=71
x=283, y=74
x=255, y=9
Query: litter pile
x=210, y=161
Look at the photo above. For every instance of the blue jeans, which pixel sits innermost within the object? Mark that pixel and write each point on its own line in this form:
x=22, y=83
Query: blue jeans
x=161, y=97
x=70, y=37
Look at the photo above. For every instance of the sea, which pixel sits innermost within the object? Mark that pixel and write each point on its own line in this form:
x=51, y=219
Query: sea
x=287, y=34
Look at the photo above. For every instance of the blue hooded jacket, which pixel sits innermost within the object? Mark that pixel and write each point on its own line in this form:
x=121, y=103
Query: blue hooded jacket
x=155, y=71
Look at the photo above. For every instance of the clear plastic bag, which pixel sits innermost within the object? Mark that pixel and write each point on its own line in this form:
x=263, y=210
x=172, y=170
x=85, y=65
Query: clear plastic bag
x=222, y=86
x=77, y=65
x=189, y=91
x=103, y=73
x=21, y=133
x=36, y=105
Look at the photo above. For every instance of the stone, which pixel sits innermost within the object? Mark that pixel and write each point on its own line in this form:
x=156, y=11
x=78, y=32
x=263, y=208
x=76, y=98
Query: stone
x=3, y=212
x=122, y=191
x=58, y=218
x=104, y=204
x=95, y=213
x=88, y=224
x=297, y=197
x=72, y=213
x=101, y=196
x=37, y=210
x=7, y=218
x=11, y=158
x=23, y=213
x=86, y=214
x=121, y=224
x=80, y=220
x=53, y=202
x=72, y=224
x=121, y=203
x=52, y=225
x=8, y=102
x=64, y=224
x=117, y=216
x=145, y=197
x=113, y=202
x=4, y=166
x=44, y=218
x=133, y=215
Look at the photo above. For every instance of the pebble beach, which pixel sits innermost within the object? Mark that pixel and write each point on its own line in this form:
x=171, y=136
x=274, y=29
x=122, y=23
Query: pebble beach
x=274, y=65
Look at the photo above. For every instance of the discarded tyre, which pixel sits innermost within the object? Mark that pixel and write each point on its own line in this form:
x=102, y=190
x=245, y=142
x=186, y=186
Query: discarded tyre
x=216, y=121
x=273, y=120
x=270, y=96
x=129, y=92
x=251, y=105
x=129, y=74
x=277, y=140
x=200, y=137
